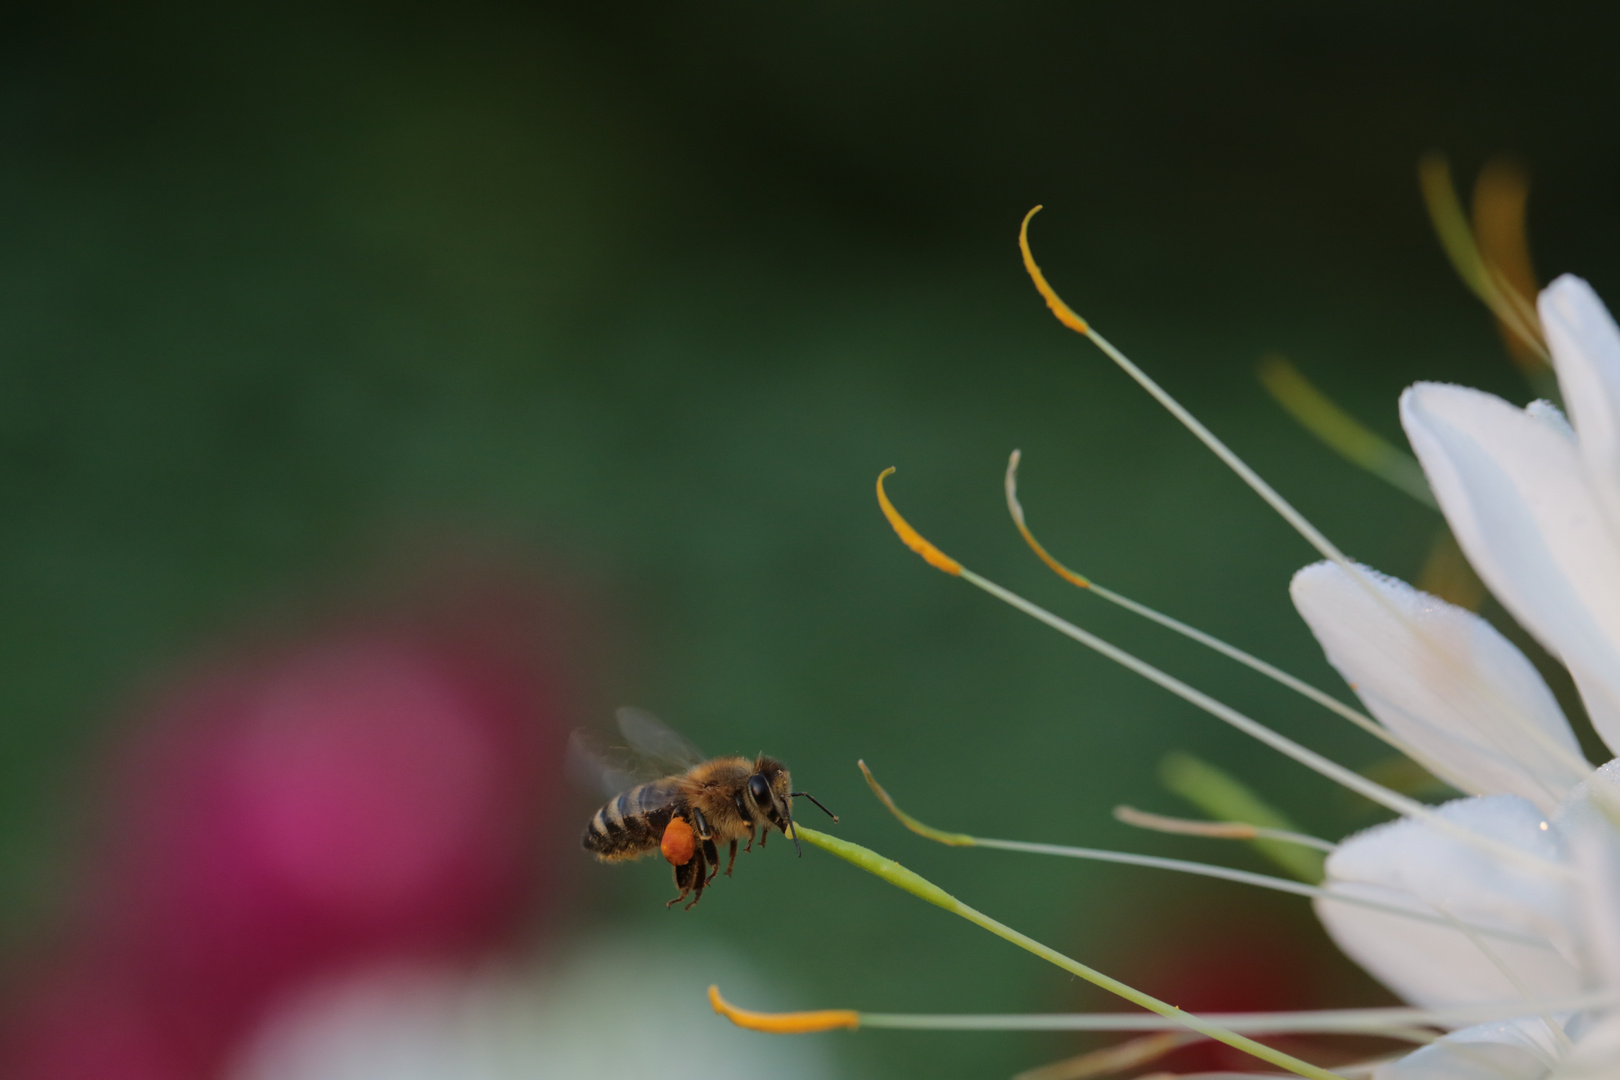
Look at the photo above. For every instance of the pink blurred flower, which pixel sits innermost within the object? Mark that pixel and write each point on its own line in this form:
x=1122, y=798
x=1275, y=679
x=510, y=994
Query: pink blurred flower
x=375, y=793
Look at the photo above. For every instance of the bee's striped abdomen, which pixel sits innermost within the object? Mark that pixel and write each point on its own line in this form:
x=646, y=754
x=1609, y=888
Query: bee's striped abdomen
x=632, y=823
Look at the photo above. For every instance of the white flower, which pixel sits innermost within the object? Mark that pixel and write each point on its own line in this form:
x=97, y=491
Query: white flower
x=1534, y=913
x=1503, y=906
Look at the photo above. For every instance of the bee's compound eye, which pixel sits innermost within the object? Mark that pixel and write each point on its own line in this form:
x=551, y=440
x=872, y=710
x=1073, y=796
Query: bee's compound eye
x=760, y=790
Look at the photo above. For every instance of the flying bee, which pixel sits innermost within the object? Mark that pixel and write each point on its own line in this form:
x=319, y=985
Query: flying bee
x=688, y=814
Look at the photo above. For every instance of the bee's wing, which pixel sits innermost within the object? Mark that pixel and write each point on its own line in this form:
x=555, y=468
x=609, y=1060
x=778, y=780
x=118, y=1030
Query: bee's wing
x=599, y=767
x=652, y=740
x=645, y=750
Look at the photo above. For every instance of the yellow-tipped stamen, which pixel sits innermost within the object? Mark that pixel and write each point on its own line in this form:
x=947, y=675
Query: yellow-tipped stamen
x=1231, y=652
x=1311, y=534
x=1398, y=1022
x=1314, y=536
x=1390, y=800
x=1214, y=830
x=897, y=875
x=1254, y=663
x=911, y=537
x=1223, y=796
x=789, y=1023
x=1294, y=518
x=1343, y=433
x=1501, y=193
x=1458, y=240
x=1065, y=314
x=1016, y=509
x=1451, y=224
x=951, y=838
x=1300, y=524
x=1400, y=804
x=1184, y=866
x=1111, y=1059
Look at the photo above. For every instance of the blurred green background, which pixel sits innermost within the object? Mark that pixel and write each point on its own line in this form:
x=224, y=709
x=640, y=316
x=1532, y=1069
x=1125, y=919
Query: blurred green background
x=644, y=296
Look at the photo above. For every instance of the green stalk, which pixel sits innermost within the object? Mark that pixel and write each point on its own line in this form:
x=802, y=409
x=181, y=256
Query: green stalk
x=897, y=875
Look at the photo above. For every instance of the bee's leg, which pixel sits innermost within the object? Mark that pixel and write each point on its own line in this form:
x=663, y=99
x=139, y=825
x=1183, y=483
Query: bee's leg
x=685, y=878
x=764, y=835
x=700, y=876
x=731, y=861
x=750, y=846
x=713, y=855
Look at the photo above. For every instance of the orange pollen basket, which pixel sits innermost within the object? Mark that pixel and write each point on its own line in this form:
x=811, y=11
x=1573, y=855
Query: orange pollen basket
x=1065, y=314
x=911, y=537
x=793, y=1023
x=679, y=842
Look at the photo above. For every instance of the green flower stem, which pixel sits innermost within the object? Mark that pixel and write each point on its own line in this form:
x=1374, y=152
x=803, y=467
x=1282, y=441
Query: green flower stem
x=899, y=876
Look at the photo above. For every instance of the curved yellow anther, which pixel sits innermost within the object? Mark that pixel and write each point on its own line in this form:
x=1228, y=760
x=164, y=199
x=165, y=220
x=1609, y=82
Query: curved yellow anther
x=1016, y=509
x=793, y=1023
x=1065, y=314
x=911, y=537
x=955, y=839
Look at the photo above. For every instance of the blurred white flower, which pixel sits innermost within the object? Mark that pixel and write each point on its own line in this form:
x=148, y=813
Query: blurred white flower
x=1534, y=913
x=615, y=1010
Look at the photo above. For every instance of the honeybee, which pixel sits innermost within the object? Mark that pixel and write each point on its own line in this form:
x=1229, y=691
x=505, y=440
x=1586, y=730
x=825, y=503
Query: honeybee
x=688, y=814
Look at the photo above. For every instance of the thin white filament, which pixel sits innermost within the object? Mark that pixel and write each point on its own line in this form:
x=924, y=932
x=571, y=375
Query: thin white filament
x=1310, y=532
x=1217, y=830
x=1244, y=877
x=1301, y=525
x=1270, y=671
x=1325, y=1021
x=1553, y=1029
x=1249, y=660
x=1391, y=800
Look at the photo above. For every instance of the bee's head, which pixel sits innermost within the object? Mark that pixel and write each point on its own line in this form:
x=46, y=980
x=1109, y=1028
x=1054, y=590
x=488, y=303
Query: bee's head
x=767, y=793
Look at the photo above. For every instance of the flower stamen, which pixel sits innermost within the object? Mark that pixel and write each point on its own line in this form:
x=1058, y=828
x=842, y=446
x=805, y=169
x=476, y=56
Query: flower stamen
x=789, y=1023
x=1396, y=1021
x=1348, y=778
x=1182, y=866
x=1492, y=285
x=1232, y=652
x=1282, y=506
x=1270, y=495
x=911, y=537
x=1065, y=314
x=1215, y=830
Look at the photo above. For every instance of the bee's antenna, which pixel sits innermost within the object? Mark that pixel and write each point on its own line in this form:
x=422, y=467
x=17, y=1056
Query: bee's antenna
x=817, y=801
x=787, y=812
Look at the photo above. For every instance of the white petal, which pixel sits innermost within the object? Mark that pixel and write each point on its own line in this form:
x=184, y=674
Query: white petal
x=1595, y=1055
x=1586, y=351
x=1588, y=833
x=1444, y=680
x=1545, y=412
x=1518, y=497
x=1508, y=1050
x=1433, y=874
